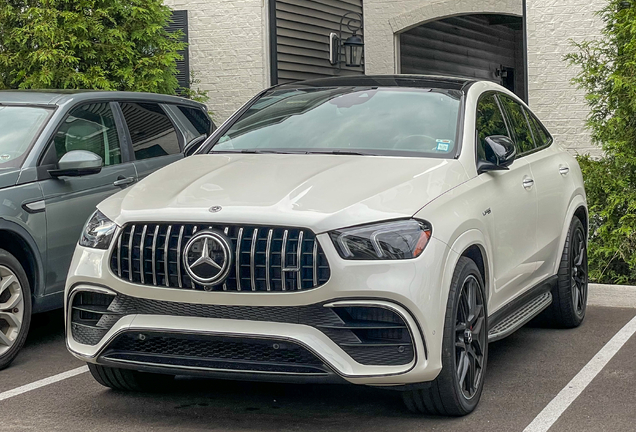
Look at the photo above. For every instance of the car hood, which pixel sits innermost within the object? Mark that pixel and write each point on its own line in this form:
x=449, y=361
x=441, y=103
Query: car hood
x=8, y=177
x=320, y=192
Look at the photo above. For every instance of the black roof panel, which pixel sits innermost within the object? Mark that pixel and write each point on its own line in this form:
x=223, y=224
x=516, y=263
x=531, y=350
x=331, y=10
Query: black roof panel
x=421, y=81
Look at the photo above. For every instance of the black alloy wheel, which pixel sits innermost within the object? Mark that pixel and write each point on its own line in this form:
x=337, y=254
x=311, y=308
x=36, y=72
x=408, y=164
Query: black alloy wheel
x=579, y=272
x=457, y=389
x=570, y=292
x=471, y=337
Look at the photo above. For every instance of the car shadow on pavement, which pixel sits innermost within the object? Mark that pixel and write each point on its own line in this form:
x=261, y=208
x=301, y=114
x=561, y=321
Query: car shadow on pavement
x=193, y=404
x=45, y=328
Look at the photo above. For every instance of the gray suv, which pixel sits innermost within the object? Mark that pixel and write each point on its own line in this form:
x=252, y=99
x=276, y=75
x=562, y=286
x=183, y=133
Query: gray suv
x=61, y=153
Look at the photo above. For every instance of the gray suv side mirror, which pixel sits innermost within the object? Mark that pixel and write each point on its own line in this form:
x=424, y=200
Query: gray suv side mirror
x=78, y=163
x=500, y=154
x=194, y=145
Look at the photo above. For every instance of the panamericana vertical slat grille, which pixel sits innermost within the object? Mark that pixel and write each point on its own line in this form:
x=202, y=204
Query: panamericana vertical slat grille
x=265, y=259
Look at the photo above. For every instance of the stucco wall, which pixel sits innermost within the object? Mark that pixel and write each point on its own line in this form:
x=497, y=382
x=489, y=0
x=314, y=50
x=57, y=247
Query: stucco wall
x=228, y=49
x=551, y=25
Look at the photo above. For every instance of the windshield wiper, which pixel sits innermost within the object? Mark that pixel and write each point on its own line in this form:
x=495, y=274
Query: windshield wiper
x=257, y=151
x=340, y=152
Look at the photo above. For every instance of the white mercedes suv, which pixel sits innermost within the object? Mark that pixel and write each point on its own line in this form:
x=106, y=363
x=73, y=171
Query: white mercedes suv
x=372, y=230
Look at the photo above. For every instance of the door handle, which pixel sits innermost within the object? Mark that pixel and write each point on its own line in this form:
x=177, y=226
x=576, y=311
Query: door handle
x=123, y=181
x=528, y=183
x=563, y=170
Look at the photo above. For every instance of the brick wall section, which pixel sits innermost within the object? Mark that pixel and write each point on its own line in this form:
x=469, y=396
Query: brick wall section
x=228, y=50
x=551, y=24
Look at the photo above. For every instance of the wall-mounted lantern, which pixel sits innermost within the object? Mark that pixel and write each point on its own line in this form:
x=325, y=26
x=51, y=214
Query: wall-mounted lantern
x=353, y=46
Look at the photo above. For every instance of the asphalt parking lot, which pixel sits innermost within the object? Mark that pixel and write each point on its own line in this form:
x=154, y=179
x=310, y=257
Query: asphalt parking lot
x=525, y=373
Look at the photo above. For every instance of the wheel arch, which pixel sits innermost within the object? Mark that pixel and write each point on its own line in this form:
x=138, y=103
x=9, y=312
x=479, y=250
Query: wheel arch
x=18, y=242
x=578, y=208
x=474, y=245
x=476, y=253
x=581, y=213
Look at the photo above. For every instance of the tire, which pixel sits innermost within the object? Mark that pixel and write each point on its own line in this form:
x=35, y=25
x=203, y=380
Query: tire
x=449, y=394
x=15, y=308
x=572, y=283
x=130, y=380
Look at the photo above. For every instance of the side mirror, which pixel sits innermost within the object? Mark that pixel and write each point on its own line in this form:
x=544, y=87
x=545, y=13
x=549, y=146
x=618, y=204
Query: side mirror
x=194, y=145
x=78, y=163
x=500, y=154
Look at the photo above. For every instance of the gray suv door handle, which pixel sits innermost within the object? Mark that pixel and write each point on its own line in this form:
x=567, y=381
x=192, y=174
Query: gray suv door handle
x=123, y=181
x=563, y=170
x=528, y=183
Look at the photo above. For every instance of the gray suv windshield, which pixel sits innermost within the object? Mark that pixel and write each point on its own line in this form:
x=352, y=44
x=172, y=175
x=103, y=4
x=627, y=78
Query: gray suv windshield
x=377, y=121
x=19, y=126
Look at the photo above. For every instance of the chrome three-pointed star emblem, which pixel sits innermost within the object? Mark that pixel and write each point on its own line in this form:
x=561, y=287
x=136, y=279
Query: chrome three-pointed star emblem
x=207, y=258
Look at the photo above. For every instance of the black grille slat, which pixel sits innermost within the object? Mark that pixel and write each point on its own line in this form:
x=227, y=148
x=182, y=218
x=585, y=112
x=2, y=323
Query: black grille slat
x=151, y=254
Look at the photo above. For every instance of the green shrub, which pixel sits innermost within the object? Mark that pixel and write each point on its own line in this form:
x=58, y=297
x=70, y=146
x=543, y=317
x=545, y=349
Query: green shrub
x=88, y=44
x=608, y=76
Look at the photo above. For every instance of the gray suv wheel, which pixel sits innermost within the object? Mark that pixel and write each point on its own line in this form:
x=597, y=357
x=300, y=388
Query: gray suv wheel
x=15, y=307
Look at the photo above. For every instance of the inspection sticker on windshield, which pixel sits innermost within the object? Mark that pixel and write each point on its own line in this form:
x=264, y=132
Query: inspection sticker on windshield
x=443, y=145
x=5, y=157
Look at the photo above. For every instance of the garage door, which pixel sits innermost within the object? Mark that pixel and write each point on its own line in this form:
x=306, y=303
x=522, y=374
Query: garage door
x=478, y=46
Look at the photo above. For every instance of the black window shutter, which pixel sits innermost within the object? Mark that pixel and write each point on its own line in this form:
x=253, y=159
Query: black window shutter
x=179, y=21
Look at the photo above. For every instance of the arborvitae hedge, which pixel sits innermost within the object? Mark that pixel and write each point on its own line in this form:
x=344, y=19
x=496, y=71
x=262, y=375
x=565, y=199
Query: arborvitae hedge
x=87, y=44
x=608, y=76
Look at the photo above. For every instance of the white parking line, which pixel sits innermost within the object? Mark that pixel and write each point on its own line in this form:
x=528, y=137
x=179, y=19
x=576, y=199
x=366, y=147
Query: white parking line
x=551, y=413
x=43, y=382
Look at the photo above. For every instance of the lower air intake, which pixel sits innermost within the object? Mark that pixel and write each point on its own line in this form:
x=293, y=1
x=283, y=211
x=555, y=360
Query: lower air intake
x=211, y=352
x=90, y=317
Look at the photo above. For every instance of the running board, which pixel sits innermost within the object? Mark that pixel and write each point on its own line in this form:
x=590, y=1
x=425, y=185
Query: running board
x=519, y=317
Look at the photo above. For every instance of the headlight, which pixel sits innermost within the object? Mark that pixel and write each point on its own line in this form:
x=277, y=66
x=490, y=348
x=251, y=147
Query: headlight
x=98, y=232
x=395, y=240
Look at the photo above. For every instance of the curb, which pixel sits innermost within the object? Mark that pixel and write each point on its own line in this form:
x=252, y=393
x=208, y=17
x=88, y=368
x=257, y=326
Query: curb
x=622, y=296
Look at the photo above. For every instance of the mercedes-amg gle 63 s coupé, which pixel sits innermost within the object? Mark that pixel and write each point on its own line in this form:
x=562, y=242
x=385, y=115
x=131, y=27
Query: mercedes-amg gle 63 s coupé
x=372, y=230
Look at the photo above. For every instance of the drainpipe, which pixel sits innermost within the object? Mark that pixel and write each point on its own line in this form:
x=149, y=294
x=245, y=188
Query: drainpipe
x=525, y=52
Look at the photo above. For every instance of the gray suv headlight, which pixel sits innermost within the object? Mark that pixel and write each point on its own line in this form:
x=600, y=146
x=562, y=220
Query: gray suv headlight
x=396, y=240
x=98, y=232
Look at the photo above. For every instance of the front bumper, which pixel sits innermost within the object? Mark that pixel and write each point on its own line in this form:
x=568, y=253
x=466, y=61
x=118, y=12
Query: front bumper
x=409, y=289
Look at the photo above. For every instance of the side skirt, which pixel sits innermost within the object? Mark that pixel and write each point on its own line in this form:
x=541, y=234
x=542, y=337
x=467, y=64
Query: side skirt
x=521, y=310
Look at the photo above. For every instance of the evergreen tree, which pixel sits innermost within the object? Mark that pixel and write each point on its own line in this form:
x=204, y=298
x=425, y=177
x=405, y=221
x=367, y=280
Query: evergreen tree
x=608, y=76
x=88, y=44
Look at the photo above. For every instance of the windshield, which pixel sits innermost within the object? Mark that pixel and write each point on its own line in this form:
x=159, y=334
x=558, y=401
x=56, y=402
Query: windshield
x=374, y=121
x=19, y=127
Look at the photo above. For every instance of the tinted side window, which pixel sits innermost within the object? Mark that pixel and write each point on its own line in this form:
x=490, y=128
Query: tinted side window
x=200, y=120
x=541, y=137
x=519, y=124
x=490, y=122
x=151, y=130
x=90, y=127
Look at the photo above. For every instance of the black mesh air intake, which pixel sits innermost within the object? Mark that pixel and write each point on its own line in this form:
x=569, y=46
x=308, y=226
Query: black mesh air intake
x=225, y=353
x=90, y=317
